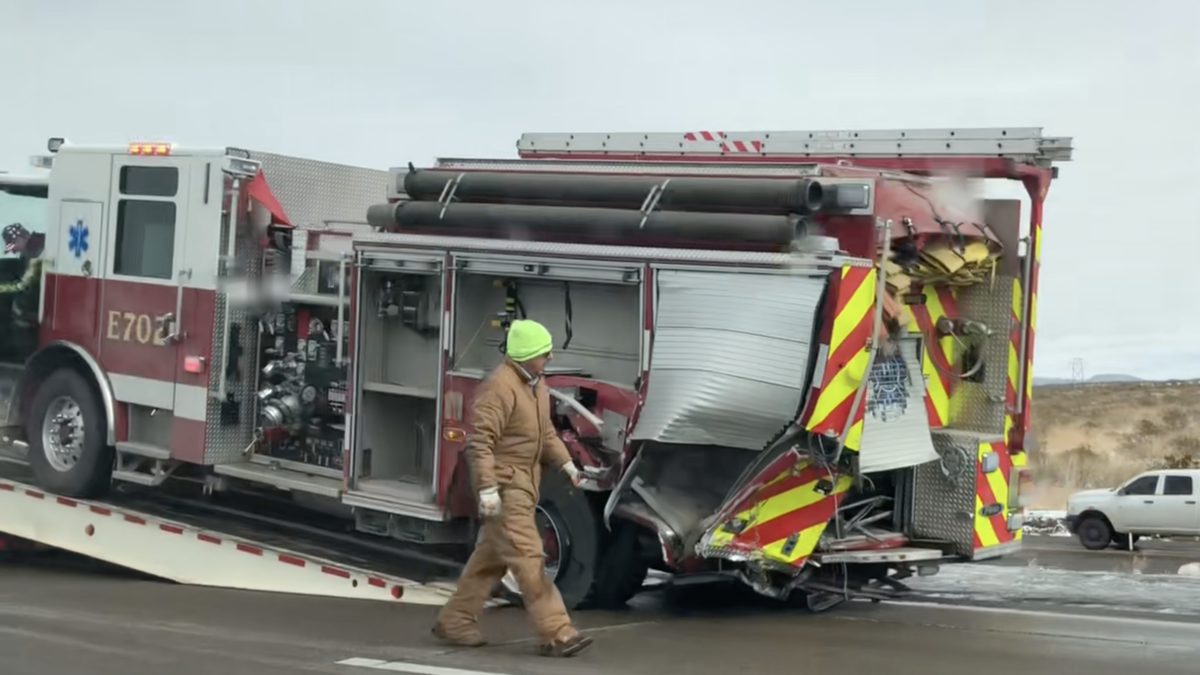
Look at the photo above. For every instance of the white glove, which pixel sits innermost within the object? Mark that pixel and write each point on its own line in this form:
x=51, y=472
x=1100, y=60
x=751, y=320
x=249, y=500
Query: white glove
x=572, y=472
x=489, y=503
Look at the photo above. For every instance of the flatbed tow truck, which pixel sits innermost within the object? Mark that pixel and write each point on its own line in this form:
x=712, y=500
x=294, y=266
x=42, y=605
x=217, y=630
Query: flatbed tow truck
x=217, y=322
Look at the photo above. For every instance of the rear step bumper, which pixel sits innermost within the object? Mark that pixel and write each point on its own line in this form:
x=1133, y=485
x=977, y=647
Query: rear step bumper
x=898, y=555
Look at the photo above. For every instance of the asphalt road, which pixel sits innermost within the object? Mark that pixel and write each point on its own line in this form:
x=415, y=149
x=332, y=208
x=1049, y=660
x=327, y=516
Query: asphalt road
x=1150, y=557
x=71, y=624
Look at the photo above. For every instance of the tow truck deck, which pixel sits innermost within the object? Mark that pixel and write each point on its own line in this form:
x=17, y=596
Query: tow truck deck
x=199, y=542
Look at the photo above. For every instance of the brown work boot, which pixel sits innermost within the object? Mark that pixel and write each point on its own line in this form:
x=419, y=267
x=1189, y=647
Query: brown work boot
x=472, y=639
x=566, y=648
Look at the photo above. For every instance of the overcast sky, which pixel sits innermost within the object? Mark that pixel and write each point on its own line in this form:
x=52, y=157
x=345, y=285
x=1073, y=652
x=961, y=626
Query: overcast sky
x=383, y=82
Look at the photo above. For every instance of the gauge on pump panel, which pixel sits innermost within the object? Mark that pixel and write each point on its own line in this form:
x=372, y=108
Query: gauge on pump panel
x=308, y=394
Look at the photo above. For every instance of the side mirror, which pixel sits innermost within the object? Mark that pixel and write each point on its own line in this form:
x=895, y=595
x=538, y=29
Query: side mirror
x=1121, y=492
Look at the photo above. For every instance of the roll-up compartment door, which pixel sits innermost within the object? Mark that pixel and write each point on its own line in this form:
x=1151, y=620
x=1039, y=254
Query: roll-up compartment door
x=730, y=356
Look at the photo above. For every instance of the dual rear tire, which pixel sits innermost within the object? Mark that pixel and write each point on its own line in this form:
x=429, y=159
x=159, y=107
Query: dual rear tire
x=592, y=567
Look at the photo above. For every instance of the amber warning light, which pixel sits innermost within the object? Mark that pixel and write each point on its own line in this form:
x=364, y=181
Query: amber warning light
x=149, y=148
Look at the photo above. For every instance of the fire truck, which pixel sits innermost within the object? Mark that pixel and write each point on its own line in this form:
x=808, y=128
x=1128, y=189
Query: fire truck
x=800, y=359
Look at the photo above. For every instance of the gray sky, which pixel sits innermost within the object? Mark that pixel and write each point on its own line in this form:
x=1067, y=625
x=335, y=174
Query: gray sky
x=383, y=82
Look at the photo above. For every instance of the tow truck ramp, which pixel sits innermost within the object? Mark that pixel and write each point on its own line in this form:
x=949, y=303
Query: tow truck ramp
x=186, y=554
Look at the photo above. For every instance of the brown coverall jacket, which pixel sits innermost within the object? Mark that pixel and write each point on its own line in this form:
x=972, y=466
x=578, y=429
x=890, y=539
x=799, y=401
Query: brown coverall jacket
x=513, y=434
x=513, y=438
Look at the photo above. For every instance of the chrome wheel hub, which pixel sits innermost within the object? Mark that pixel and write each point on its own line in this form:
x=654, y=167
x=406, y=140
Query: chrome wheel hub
x=62, y=433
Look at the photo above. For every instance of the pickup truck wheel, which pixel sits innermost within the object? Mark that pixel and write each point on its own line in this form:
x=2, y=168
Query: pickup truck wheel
x=67, y=432
x=1094, y=533
x=592, y=567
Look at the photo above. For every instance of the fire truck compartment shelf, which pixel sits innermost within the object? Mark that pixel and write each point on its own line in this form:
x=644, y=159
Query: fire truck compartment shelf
x=281, y=478
x=400, y=390
x=321, y=300
x=890, y=555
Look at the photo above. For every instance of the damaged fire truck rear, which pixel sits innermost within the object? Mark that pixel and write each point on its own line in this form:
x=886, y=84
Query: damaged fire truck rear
x=799, y=358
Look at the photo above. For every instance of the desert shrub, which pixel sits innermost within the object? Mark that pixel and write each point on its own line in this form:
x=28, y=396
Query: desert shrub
x=1179, y=461
x=1176, y=418
x=1185, y=445
x=1148, y=428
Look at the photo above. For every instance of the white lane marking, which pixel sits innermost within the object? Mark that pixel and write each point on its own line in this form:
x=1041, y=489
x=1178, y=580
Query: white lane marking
x=415, y=668
x=1151, y=623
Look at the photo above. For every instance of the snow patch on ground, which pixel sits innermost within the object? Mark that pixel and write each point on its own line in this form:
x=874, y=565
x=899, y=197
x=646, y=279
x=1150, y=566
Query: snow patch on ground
x=1052, y=523
x=993, y=584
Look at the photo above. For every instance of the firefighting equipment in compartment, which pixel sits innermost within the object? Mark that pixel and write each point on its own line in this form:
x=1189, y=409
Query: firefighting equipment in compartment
x=941, y=261
x=527, y=340
x=513, y=437
x=489, y=503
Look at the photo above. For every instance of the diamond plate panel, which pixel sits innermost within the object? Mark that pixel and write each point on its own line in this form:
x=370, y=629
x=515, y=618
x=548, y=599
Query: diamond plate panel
x=944, y=506
x=227, y=440
x=316, y=193
x=979, y=406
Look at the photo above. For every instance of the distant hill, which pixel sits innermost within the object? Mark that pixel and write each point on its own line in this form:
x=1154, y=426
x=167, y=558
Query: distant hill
x=1096, y=379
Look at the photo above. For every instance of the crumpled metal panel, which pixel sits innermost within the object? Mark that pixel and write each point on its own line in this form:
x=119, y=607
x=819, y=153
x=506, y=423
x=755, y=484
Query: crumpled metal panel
x=729, y=363
x=895, y=424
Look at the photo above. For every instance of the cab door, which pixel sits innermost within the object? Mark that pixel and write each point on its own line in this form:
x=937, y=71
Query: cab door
x=1179, y=512
x=141, y=289
x=1136, y=508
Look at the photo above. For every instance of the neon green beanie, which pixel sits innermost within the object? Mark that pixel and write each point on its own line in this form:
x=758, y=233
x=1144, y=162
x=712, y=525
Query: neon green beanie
x=527, y=340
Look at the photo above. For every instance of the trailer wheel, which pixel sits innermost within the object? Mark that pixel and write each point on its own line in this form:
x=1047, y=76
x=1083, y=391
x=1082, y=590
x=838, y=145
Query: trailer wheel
x=592, y=567
x=67, y=434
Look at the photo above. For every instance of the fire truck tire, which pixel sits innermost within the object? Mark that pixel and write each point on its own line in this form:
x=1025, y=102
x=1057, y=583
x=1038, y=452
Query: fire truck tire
x=597, y=569
x=66, y=414
x=1094, y=531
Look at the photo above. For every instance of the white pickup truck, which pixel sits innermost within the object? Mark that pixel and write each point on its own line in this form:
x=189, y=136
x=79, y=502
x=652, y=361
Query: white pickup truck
x=1160, y=502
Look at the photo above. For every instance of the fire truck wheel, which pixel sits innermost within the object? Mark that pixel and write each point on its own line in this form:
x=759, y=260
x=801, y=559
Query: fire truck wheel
x=592, y=567
x=67, y=434
x=1094, y=532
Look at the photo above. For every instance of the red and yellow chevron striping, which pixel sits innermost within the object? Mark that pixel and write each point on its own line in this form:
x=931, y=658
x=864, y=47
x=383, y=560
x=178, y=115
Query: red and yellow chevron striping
x=991, y=489
x=1014, y=364
x=782, y=518
x=939, y=302
x=847, y=324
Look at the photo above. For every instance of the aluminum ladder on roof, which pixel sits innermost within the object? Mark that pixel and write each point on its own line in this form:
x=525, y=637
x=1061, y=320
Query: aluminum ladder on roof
x=1022, y=144
x=185, y=554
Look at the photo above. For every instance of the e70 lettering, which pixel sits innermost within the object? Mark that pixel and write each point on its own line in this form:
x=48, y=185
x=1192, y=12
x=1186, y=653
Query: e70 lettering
x=133, y=327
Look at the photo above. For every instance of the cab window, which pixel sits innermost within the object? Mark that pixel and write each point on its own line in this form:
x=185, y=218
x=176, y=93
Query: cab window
x=146, y=227
x=1146, y=485
x=1178, y=485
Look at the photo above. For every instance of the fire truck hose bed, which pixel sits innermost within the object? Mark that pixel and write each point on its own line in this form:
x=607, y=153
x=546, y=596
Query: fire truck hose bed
x=584, y=222
x=742, y=195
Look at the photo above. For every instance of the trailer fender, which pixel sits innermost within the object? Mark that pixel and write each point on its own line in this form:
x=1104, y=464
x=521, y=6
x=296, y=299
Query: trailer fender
x=61, y=353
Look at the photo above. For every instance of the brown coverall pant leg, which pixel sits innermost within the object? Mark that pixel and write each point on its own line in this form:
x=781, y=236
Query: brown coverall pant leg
x=510, y=542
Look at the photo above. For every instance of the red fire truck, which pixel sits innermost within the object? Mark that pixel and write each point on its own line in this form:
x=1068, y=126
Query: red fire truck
x=797, y=358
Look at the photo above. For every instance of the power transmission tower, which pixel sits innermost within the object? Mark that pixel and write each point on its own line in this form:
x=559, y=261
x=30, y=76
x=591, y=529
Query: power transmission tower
x=1077, y=373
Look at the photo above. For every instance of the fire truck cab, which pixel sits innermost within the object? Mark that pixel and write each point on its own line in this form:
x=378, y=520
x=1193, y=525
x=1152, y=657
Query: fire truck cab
x=796, y=358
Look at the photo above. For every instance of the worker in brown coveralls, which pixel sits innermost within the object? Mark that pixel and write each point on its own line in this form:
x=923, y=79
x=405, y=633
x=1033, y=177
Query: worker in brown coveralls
x=512, y=439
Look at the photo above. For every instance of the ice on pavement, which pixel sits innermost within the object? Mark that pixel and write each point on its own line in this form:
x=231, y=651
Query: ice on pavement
x=1164, y=594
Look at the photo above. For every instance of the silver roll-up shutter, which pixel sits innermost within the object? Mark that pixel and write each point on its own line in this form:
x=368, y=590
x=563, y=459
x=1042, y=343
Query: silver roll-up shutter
x=729, y=362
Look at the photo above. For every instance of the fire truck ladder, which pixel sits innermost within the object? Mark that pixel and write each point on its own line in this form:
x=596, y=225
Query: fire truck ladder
x=187, y=554
x=1024, y=145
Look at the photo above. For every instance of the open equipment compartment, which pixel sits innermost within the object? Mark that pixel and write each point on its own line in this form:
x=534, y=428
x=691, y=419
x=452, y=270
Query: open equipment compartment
x=398, y=376
x=594, y=312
